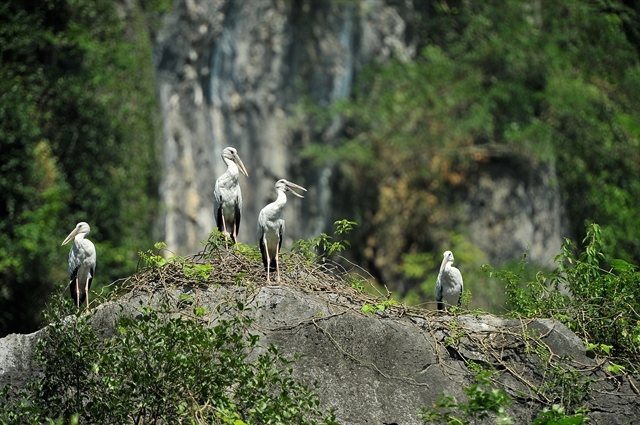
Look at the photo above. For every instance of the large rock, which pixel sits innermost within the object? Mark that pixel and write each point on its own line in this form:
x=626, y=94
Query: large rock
x=383, y=368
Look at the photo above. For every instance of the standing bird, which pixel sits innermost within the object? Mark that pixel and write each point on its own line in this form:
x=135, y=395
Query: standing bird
x=271, y=227
x=449, y=285
x=82, y=263
x=227, y=197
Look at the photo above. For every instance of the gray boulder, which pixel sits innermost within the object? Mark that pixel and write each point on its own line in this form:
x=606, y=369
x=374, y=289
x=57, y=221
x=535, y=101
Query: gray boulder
x=383, y=368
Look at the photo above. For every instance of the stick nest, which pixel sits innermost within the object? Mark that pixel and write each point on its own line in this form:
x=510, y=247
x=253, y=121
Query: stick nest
x=227, y=264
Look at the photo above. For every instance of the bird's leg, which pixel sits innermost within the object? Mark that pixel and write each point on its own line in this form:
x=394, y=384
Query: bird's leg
x=277, y=263
x=224, y=230
x=77, y=293
x=86, y=291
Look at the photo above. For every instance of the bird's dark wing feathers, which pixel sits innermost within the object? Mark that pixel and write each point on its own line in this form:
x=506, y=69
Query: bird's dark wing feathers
x=72, y=286
x=263, y=251
x=74, y=274
x=237, y=223
x=219, y=216
x=439, y=294
x=93, y=273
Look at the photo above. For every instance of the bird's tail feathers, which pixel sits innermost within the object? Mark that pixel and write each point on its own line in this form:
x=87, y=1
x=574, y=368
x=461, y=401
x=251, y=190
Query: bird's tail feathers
x=272, y=266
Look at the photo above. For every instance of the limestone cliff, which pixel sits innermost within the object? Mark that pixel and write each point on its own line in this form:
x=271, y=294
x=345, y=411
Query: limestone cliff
x=231, y=72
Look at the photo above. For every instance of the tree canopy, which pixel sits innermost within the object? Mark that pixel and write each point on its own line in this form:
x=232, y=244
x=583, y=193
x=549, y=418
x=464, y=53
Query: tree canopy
x=77, y=143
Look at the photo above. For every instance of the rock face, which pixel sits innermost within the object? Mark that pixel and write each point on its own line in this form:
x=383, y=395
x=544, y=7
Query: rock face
x=229, y=73
x=509, y=215
x=383, y=368
x=234, y=72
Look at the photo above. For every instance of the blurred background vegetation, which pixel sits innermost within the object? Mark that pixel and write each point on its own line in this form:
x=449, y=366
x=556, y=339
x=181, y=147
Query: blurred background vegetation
x=78, y=142
x=556, y=82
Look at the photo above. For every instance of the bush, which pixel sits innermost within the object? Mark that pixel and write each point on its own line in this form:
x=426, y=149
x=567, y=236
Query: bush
x=160, y=367
x=485, y=402
x=597, y=298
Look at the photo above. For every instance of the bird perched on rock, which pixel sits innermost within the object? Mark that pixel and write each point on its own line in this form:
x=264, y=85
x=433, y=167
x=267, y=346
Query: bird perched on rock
x=227, y=196
x=82, y=263
x=271, y=227
x=449, y=284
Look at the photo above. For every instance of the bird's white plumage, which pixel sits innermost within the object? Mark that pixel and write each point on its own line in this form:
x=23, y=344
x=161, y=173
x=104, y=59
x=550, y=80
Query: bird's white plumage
x=271, y=226
x=82, y=263
x=227, y=196
x=449, y=285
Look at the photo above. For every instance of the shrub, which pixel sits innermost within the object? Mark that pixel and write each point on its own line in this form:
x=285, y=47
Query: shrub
x=598, y=299
x=485, y=402
x=160, y=367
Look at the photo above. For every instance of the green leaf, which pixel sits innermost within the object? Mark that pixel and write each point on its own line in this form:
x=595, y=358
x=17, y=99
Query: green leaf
x=621, y=265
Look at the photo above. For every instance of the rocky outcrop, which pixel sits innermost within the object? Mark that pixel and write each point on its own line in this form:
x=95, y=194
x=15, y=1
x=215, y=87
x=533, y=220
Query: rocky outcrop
x=383, y=368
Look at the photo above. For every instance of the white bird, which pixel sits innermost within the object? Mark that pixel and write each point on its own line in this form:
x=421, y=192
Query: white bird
x=271, y=226
x=449, y=284
x=82, y=263
x=227, y=197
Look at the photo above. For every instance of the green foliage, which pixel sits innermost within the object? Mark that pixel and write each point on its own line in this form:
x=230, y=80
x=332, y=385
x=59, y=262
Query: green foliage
x=323, y=246
x=455, y=334
x=562, y=382
x=557, y=416
x=600, y=305
x=77, y=143
x=485, y=402
x=536, y=289
x=356, y=284
x=162, y=367
x=615, y=368
x=378, y=307
x=198, y=271
x=154, y=259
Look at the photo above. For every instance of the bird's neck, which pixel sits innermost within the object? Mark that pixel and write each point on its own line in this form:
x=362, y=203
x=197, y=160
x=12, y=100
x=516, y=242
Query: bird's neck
x=79, y=238
x=232, y=168
x=446, y=265
x=282, y=199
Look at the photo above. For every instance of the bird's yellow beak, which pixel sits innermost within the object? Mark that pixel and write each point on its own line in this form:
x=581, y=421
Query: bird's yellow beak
x=238, y=161
x=292, y=186
x=72, y=235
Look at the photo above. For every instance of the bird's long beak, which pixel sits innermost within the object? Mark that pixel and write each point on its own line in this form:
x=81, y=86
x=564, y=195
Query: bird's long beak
x=444, y=263
x=238, y=161
x=291, y=186
x=72, y=235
